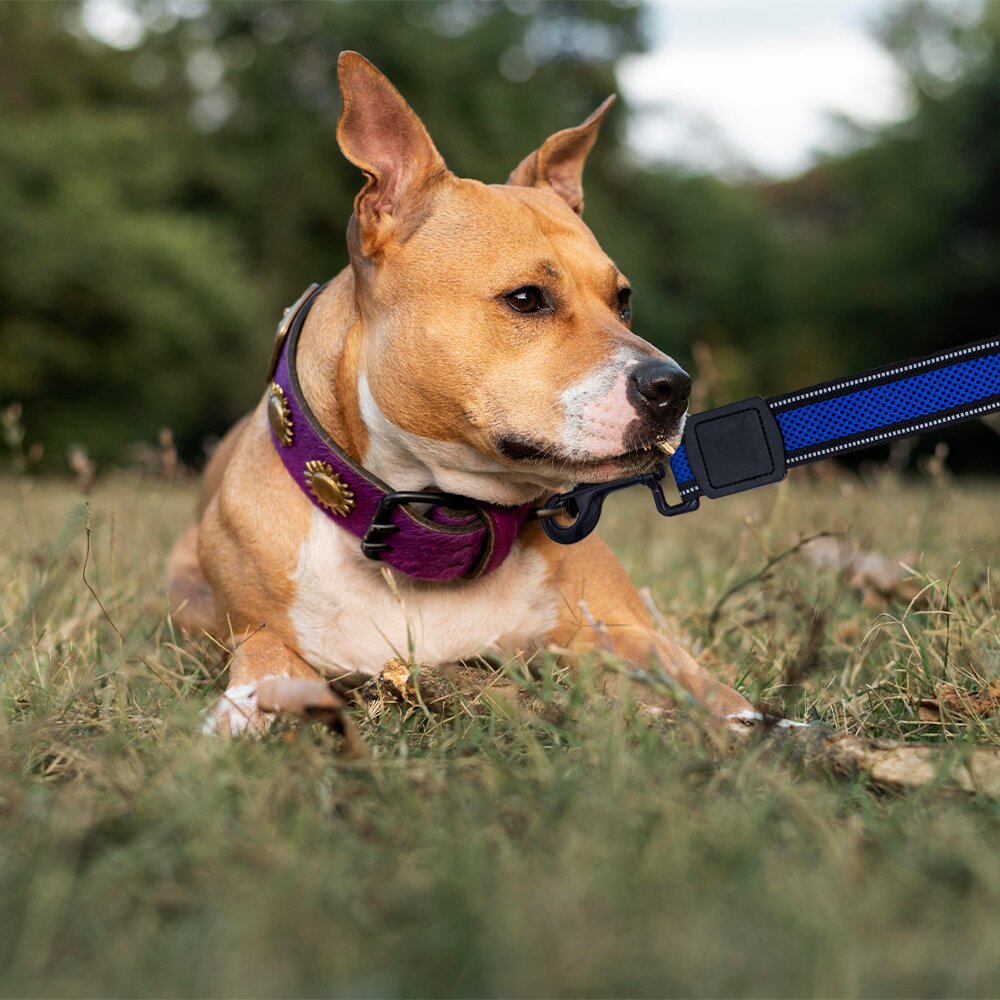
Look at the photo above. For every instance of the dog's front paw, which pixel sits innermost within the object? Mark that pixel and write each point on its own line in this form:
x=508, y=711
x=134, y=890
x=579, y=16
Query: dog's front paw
x=237, y=712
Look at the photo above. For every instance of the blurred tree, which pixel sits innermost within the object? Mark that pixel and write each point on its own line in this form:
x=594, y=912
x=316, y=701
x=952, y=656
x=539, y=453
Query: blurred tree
x=121, y=311
x=897, y=245
x=120, y=314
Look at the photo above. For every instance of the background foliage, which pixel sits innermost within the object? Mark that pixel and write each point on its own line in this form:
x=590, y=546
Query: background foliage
x=161, y=202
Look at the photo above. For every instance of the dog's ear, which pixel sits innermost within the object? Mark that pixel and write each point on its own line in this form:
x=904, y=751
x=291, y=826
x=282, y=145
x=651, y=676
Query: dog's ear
x=558, y=162
x=380, y=134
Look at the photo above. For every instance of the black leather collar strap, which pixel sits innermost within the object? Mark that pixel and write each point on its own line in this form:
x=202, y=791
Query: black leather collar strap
x=754, y=442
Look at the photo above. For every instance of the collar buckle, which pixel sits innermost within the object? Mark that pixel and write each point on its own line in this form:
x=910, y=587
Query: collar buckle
x=373, y=544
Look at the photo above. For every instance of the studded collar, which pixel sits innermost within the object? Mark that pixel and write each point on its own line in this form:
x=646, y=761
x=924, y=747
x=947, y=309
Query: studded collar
x=451, y=538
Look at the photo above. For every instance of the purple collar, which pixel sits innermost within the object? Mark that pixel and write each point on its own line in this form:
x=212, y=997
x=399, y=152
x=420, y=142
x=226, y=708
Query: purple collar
x=454, y=538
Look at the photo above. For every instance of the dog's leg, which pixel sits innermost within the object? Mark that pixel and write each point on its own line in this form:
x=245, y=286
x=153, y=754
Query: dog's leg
x=260, y=656
x=191, y=599
x=192, y=604
x=600, y=609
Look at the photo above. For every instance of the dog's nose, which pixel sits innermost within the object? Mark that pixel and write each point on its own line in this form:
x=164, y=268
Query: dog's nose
x=663, y=386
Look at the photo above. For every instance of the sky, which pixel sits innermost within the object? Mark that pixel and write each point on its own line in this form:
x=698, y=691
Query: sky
x=736, y=84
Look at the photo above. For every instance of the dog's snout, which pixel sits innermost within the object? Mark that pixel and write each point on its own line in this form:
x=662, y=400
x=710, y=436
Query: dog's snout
x=663, y=386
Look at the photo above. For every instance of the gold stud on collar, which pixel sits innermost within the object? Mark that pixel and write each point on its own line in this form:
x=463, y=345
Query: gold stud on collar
x=328, y=488
x=280, y=415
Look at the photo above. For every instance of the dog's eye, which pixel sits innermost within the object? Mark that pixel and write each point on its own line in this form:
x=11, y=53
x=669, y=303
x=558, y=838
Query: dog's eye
x=625, y=304
x=526, y=300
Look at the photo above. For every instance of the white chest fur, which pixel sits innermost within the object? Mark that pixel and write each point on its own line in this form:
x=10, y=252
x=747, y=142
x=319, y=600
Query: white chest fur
x=347, y=617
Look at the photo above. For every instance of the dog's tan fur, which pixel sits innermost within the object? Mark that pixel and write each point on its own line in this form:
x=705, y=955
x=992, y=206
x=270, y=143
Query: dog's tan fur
x=417, y=367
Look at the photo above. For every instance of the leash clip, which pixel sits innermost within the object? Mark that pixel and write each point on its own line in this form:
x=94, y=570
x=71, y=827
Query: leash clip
x=584, y=503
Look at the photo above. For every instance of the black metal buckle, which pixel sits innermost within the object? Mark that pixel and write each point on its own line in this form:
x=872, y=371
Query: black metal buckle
x=583, y=504
x=373, y=544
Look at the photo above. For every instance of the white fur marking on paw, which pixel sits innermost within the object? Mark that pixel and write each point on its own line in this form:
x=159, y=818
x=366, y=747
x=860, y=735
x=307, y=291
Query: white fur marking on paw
x=236, y=711
x=749, y=715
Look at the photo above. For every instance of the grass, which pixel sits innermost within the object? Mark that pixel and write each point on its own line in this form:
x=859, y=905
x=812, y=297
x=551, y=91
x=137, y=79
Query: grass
x=500, y=851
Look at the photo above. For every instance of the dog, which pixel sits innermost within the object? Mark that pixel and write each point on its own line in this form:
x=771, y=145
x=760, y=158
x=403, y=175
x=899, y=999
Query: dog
x=479, y=343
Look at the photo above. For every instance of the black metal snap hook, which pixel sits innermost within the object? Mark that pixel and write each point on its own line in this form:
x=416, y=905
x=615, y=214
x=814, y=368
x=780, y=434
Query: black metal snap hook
x=583, y=505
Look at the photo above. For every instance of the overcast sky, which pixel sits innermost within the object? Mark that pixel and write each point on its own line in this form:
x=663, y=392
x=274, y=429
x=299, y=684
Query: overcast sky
x=732, y=82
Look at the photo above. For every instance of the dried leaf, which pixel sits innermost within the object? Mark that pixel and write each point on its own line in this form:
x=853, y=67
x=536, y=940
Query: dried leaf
x=871, y=573
x=394, y=683
x=985, y=701
x=432, y=688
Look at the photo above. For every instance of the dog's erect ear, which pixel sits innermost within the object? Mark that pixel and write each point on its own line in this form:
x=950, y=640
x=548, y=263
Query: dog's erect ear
x=558, y=162
x=380, y=134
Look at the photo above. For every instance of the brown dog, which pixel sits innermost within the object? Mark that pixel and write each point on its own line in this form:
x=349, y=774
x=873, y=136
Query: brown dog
x=479, y=344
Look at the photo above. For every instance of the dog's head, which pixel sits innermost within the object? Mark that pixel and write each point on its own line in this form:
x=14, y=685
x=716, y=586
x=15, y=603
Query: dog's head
x=498, y=359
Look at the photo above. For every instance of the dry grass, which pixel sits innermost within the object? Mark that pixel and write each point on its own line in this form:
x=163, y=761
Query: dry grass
x=493, y=849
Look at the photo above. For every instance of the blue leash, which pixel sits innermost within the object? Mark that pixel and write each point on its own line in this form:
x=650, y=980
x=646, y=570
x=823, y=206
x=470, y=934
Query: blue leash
x=754, y=442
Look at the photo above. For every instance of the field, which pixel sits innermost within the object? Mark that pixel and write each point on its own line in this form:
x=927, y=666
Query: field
x=557, y=847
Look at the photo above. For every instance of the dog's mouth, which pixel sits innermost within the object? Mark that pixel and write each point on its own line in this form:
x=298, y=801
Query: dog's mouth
x=554, y=463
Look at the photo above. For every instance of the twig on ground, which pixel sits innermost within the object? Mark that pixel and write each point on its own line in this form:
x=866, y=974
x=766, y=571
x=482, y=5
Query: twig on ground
x=83, y=573
x=713, y=618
